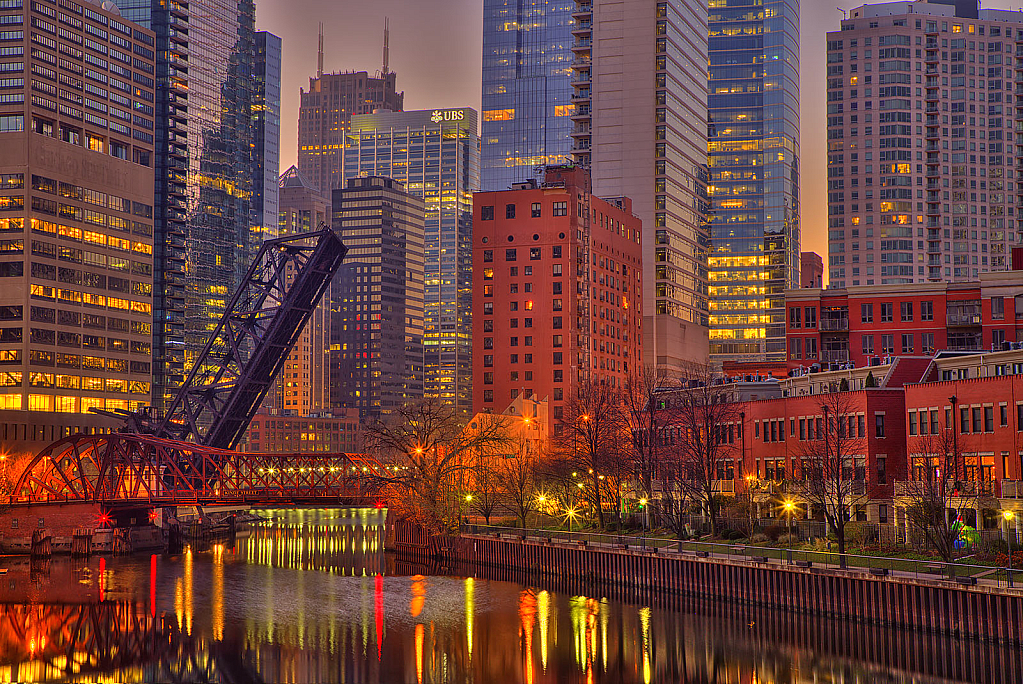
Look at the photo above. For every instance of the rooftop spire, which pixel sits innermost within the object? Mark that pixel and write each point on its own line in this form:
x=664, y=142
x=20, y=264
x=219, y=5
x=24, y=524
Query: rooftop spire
x=319, y=55
x=387, y=45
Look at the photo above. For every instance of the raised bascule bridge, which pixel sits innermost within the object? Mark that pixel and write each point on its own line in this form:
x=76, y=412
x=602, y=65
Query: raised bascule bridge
x=187, y=456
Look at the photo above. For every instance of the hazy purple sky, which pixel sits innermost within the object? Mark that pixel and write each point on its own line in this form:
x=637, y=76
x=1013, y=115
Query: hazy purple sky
x=436, y=47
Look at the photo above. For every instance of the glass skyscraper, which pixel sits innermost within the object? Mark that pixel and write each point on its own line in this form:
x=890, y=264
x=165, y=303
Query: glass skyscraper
x=753, y=186
x=435, y=154
x=204, y=149
x=527, y=88
x=266, y=131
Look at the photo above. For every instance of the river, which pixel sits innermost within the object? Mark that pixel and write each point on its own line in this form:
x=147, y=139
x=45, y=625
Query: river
x=311, y=597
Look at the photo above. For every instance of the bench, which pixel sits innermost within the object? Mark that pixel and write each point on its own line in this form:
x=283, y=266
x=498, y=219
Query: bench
x=967, y=581
x=879, y=572
x=803, y=564
x=581, y=544
x=620, y=547
x=702, y=554
x=935, y=569
x=760, y=559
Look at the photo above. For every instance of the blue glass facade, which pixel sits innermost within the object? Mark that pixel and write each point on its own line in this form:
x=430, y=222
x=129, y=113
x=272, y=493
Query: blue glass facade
x=527, y=91
x=266, y=131
x=435, y=154
x=753, y=161
x=204, y=138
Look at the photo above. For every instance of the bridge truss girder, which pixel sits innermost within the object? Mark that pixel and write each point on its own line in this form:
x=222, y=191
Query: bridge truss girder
x=126, y=469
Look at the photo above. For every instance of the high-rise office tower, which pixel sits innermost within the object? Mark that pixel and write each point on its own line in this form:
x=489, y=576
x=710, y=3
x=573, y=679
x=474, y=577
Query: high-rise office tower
x=76, y=219
x=527, y=88
x=266, y=133
x=435, y=153
x=376, y=356
x=326, y=112
x=558, y=281
x=920, y=143
x=204, y=148
x=753, y=185
x=302, y=386
x=640, y=78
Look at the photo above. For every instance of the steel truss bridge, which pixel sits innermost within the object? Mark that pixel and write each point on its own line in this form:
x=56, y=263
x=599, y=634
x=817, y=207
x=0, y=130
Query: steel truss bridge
x=127, y=470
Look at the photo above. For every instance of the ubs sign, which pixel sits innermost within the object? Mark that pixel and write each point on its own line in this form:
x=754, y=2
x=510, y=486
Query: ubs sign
x=449, y=115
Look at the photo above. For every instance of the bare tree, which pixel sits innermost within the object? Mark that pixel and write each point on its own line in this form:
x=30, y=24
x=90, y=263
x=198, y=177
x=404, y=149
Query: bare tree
x=428, y=452
x=831, y=463
x=702, y=410
x=595, y=438
x=943, y=487
x=645, y=402
x=483, y=485
x=516, y=477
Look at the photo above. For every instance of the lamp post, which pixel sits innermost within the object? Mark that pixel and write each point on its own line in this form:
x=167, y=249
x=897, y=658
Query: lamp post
x=789, y=506
x=1009, y=516
x=825, y=465
x=954, y=401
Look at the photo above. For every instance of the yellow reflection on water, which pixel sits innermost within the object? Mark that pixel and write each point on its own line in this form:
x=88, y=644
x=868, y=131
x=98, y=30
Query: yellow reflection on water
x=218, y=592
x=470, y=610
x=644, y=623
x=543, y=605
x=420, y=634
x=527, y=617
x=418, y=595
x=189, y=597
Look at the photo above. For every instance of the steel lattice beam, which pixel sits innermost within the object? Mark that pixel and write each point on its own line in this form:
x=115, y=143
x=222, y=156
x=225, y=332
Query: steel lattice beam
x=253, y=339
x=142, y=469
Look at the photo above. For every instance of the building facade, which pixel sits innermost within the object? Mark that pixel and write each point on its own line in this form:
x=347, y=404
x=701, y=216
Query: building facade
x=377, y=298
x=76, y=219
x=527, y=89
x=266, y=131
x=811, y=270
x=302, y=387
x=859, y=325
x=646, y=138
x=325, y=114
x=753, y=166
x=317, y=433
x=920, y=127
x=435, y=154
x=557, y=292
x=204, y=177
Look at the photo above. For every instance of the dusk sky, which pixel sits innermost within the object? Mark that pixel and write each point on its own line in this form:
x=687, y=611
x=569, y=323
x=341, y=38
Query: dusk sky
x=436, y=52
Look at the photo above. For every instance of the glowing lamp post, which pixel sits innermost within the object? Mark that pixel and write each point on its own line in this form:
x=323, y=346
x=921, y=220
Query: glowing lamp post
x=789, y=507
x=1009, y=516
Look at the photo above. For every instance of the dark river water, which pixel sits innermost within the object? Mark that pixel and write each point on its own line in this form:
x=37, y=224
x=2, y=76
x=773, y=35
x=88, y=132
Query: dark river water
x=311, y=597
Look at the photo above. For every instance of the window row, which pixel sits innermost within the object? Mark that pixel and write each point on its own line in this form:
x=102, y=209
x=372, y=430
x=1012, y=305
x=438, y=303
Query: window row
x=535, y=210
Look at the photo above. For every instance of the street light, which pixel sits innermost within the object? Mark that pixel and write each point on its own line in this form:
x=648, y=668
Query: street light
x=1009, y=516
x=789, y=506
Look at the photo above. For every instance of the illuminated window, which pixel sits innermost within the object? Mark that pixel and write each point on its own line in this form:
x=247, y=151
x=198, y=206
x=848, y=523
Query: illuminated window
x=90, y=403
x=66, y=404
x=10, y=401
x=40, y=402
x=499, y=115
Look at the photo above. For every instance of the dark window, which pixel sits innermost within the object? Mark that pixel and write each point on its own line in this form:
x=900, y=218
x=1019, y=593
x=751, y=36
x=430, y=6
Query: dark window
x=556, y=287
x=486, y=213
x=560, y=209
x=556, y=323
x=556, y=251
x=488, y=325
x=879, y=425
x=868, y=344
x=559, y=375
x=887, y=312
x=1003, y=415
x=510, y=255
x=488, y=395
x=12, y=269
x=926, y=311
x=509, y=211
x=795, y=320
x=989, y=419
x=488, y=256
x=535, y=210
x=488, y=360
x=906, y=311
x=866, y=313
x=907, y=343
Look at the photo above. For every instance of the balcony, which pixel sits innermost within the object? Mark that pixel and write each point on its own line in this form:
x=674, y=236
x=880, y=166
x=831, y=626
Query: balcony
x=1012, y=489
x=835, y=355
x=723, y=486
x=834, y=325
x=964, y=318
x=922, y=489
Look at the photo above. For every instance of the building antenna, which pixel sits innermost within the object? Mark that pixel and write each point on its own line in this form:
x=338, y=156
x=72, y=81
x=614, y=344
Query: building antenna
x=319, y=55
x=387, y=45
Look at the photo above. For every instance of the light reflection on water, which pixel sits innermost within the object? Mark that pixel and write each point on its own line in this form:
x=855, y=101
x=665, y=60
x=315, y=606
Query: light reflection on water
x=312, y=598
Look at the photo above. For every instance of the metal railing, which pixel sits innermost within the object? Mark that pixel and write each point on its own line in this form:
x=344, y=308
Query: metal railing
x=880, y=566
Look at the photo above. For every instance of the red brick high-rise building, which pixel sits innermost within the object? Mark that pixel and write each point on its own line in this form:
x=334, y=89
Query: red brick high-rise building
x=557, y=291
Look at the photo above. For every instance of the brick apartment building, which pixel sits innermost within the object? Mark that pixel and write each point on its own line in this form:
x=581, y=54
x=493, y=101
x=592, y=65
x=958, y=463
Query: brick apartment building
x=557, y=291
x=861, y=325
